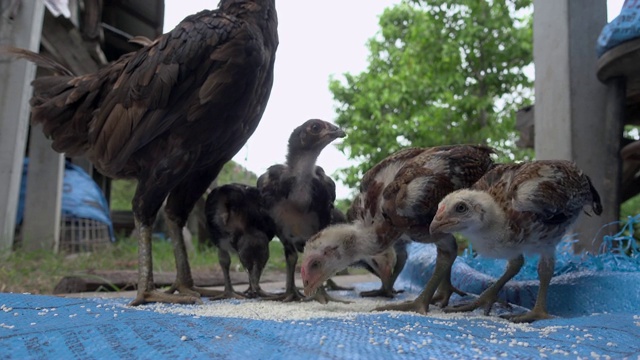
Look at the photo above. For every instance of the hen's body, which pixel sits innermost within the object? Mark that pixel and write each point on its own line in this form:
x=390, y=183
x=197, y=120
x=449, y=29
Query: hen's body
x=169, y=115
x=238, y=225
x=399, y=196
x=298, y=195
x=518, y=209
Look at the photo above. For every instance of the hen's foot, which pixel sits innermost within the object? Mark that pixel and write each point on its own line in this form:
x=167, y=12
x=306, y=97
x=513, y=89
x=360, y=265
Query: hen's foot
x=222, y=295
x=443, y=294
x=331, y=285
x=323, y=297
x=529, y=316
x=485, y=301
x=381, y=293
x=411, y=306
x=250, y=294
x=145, y=297
x=194, y=291
x=287, y=296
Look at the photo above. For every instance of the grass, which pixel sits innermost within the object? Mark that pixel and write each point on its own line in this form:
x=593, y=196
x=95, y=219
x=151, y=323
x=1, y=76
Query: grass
x=39, y=272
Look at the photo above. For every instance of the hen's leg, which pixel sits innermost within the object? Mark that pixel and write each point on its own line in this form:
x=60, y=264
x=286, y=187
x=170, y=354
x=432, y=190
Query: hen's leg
x=446, y=248
x=145, y=207
x=490, y=295
x=180, y=202
x=539, y=311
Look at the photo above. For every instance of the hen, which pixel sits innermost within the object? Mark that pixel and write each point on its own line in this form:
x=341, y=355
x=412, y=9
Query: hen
x=298, y=195
x=399, y=196
x=169, y=115
x=238, y=225
x=518, y=209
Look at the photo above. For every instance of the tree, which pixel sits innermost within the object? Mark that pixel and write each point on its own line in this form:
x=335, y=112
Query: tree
x=440, y=72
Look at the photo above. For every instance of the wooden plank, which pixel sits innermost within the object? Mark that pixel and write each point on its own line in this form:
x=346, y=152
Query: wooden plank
x=43, y=200
x=121, y=280
x=20, y=26
x=622, y=60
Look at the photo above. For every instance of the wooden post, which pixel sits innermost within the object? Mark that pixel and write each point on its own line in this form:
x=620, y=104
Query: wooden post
x=570, y=120
x=41, y=225
x=21, y=26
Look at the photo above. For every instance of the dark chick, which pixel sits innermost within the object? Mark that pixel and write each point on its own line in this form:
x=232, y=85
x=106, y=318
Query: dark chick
x=169, y=115
x=399, y=196
x=238, y=225
x=518, y=209
x=298, y=195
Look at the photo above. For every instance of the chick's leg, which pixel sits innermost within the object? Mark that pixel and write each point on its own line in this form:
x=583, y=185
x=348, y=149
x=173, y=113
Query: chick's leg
x=539, y=311
x=291, y=293
x=490, y=295
x=225, y=263
x=446, y=255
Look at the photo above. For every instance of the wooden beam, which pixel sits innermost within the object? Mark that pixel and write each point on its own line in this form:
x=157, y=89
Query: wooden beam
x=43, y=200
x=20, y=26
x=570, y=120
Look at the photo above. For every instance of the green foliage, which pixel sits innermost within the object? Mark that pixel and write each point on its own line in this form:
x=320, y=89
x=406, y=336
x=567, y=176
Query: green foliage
x=122, y=190
x=440, y=72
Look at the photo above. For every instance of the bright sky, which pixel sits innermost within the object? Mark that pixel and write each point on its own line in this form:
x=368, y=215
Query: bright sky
x=317, y=39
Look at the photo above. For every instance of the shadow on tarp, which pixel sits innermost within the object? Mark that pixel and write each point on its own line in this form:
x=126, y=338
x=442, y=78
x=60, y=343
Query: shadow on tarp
x=47, y=327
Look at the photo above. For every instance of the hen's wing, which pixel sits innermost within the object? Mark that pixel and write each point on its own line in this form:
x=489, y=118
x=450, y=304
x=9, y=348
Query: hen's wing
x=206, y=59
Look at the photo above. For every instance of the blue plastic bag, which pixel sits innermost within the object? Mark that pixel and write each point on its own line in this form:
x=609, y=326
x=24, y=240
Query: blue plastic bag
x=624, y=27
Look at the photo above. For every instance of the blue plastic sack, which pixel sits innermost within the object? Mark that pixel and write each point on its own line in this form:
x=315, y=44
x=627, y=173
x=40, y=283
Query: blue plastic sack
x=81, y=197
x=624, y=27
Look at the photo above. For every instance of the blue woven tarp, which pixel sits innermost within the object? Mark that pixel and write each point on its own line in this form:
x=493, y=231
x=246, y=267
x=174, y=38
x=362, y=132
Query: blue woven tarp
x=597, y=309
x=45, y=327
x=81, y=197
x=624, y=27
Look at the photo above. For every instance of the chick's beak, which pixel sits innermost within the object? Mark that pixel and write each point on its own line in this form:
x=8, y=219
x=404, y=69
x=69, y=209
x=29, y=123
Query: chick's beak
x=441, y=224
x=337, y=133
x=311, y=279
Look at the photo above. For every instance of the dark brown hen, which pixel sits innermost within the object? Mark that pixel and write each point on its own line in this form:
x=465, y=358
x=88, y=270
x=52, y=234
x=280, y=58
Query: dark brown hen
x=169, y=115
x=518, y=209
x=399, y=196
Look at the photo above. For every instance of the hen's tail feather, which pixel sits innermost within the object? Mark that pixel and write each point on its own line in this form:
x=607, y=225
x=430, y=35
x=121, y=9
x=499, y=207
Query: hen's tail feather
x=596, y=204
x=37, y=59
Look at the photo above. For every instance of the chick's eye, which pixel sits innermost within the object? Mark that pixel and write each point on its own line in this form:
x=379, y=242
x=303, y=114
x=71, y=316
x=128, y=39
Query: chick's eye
x=461, y=208
x=314, y=265
x=315, y=128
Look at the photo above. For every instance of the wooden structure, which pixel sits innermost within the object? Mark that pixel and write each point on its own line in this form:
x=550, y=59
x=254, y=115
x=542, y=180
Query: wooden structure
x=576, y=116
x=619, y=69
x=94, y=34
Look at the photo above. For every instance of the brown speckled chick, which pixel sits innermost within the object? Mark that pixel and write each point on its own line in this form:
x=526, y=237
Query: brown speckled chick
x=399, y=196
x=518, y=209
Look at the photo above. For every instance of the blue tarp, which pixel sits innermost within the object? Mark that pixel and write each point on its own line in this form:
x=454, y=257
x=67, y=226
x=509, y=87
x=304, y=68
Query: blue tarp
x=624, y=27
x=81, y=197
x=596, y=302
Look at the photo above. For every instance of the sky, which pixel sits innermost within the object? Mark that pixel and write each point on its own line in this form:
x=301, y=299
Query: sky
x=318, y=39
